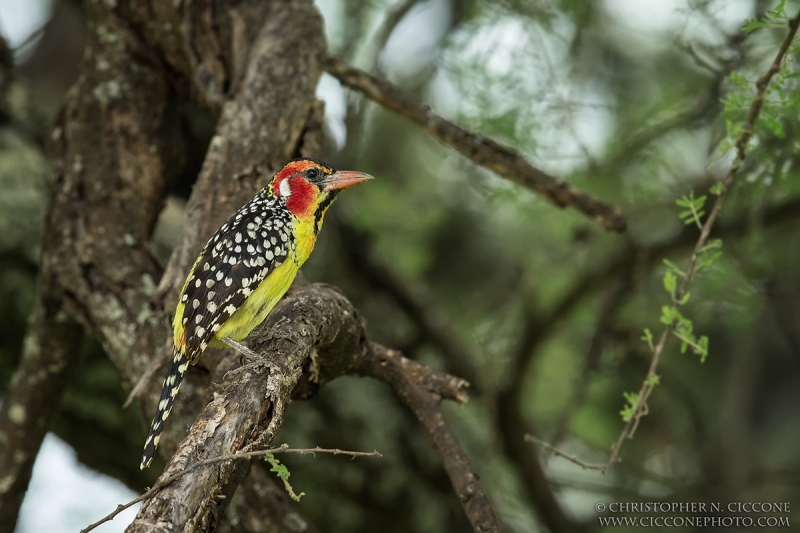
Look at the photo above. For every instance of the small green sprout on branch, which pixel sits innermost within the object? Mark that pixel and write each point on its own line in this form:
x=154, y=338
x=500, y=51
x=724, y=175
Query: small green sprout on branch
x=648, y=338
x=631, y=405
x=694, y=209
x=283, y=473
x=776, y=18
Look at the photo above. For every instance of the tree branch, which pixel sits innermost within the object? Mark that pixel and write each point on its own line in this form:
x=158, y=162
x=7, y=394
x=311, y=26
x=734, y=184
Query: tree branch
x=422, y=390
x=96, y=123
x=480, y=150
x=310, y=338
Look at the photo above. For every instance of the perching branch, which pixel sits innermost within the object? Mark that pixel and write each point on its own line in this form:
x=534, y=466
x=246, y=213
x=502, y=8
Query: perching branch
x=482, y=151
x=310, y=338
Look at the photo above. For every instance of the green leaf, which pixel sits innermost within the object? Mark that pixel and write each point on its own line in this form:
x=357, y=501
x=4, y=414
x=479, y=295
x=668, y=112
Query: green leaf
x=648, y=338
x=283, y=473
x=632, y=402
x=778, y=12
x=702, y=342
x=670, y=282
x=652, y=381
x=716, y=189
x=695, y=208
x=774, y=125
x=670, y=315
x=753, y=25
x=686, y=216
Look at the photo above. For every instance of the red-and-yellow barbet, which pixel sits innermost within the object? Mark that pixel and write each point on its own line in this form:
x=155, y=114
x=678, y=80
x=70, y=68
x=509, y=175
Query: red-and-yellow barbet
x=246, y=267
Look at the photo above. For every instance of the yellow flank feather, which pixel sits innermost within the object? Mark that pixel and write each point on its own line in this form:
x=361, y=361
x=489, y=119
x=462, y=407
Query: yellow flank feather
x=258, y=305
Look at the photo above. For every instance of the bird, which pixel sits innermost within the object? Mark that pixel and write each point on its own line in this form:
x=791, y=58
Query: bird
x=245, y=269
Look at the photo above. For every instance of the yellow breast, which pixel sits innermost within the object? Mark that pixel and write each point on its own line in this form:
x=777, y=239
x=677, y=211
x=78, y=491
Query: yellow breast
x=269, y=292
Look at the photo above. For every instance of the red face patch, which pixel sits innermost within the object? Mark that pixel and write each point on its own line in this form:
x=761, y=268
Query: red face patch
x=302, y=195
x=291, y=184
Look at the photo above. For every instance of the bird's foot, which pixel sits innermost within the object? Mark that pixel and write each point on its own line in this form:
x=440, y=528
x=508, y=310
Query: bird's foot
x=241, y=348
x=252, y=357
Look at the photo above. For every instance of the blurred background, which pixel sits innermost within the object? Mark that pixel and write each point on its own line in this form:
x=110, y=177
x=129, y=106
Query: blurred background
x=539, y=308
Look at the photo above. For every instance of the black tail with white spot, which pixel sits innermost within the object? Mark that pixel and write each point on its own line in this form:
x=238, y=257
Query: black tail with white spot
x=172, y=382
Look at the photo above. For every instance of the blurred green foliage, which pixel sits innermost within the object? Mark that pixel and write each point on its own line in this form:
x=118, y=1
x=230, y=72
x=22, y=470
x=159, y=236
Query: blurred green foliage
x=632, y=108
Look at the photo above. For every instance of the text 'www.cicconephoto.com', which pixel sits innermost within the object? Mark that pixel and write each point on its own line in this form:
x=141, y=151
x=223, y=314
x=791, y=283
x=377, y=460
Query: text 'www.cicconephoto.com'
x=694, y=514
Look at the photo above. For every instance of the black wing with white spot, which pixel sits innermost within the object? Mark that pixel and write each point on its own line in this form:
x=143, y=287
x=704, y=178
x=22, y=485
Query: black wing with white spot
x=240, y=255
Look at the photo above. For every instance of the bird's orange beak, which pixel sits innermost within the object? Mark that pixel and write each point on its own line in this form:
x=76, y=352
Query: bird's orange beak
x=344, y=179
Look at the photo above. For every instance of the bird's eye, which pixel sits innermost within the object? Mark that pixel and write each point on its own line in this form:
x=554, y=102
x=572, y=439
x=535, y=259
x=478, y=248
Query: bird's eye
x=312, y=173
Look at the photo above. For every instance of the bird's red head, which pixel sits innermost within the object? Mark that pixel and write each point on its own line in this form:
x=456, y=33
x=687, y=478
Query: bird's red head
x=308, y=186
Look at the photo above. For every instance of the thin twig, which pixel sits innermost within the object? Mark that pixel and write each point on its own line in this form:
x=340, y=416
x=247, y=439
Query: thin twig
x=284, y=448
x=481, y=150
x=571, y=458
x=741, y=150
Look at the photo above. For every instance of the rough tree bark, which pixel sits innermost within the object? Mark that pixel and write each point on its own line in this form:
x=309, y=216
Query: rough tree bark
x=116, y=147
